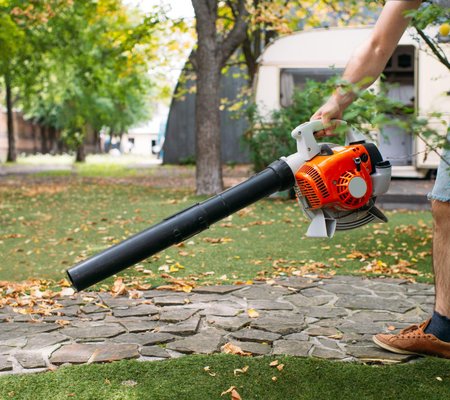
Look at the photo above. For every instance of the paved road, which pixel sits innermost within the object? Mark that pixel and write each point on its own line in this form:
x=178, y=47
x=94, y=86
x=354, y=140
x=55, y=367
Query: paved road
x=307, y=317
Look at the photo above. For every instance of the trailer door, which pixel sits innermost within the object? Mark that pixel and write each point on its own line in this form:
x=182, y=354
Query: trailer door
x=434, y=96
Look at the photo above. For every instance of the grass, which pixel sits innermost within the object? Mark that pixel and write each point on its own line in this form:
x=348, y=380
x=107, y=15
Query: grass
x=186, y=378
x=49, y=224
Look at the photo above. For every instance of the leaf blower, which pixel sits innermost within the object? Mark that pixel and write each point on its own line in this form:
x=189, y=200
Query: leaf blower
x=336, y=187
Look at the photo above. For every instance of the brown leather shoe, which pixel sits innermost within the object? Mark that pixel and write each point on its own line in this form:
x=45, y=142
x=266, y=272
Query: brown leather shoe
x=413, y=340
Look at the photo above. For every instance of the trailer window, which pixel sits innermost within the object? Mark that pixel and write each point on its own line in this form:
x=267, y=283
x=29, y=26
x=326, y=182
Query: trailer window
x=395, y=143
x=295, y=78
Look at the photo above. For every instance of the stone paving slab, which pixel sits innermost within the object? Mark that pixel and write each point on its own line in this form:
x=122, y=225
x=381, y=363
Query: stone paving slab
x=306, y=317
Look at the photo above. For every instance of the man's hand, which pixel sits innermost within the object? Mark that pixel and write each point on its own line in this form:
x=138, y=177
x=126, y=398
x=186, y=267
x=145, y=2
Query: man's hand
x=330, y=110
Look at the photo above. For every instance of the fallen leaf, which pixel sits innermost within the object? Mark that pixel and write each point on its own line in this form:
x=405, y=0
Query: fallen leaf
x=130, y=383
x=391, y=328
x=336, y=336
x=67, y=291
x=229, y=390
x=280, y=367
x=274, y=363
x=230, y=348
x=208, y=370
x=62, y=322
x=242, y=370
x=252, y=313
x=274, y=378
x=119, y=287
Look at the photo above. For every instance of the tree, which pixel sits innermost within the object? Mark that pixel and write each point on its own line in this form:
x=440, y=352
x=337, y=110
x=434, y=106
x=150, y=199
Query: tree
x=11, y=41
x=214, y=47
x=21, y=22
x=91, y=72
x=269, y=19
x=224, y=26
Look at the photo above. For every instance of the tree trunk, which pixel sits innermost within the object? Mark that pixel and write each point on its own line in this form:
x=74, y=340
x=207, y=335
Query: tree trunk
x=12, y=152
x=52, y=139
x=207, y=128
x=81, y=153
x=34, y=136
x=44, y=147
x=213, y=50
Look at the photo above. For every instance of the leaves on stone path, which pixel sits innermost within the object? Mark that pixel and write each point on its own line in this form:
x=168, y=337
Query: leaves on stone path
x=252, y=313
x=230, y=348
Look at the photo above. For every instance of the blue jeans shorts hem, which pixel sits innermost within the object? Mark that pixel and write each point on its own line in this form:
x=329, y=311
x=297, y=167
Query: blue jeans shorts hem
x=441, y=189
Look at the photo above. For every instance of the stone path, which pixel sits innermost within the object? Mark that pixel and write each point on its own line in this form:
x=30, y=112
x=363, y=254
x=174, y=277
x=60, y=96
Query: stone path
x=327, y=318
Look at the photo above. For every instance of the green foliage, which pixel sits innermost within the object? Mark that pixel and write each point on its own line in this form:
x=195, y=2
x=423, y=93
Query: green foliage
x=269, y=138
x=85, y=66
x=11, y=39
x=430, y=14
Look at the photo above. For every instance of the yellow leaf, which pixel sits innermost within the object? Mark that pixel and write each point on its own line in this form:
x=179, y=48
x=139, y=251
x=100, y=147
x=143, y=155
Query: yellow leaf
x=280, y=367
x=274, y=363
x=252, y=313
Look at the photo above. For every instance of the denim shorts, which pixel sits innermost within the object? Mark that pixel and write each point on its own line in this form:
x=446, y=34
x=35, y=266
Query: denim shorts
x=441, y=189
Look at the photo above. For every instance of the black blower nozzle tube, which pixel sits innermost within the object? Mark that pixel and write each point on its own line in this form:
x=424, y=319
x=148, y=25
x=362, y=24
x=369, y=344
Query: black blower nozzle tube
x=276, y=177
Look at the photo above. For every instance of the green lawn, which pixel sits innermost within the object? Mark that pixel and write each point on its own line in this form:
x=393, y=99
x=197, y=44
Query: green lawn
x=186, y=378
x=47, y=224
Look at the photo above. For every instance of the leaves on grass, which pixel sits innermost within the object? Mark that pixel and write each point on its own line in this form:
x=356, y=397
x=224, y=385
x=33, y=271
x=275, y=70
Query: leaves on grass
x=401, y=269
x=242, y=370
x=208, y=370
x=176, y=284
x=217, y=240
x=274, y=363
x=234, y=393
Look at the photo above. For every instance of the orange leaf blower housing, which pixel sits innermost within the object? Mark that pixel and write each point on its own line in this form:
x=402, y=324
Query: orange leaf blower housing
x=342, y=181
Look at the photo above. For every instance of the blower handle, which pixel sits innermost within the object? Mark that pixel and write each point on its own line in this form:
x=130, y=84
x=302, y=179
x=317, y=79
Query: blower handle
x=304, y=135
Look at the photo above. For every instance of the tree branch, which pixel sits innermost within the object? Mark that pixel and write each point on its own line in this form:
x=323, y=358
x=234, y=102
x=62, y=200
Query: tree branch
x=433, y=48
x=236, y=35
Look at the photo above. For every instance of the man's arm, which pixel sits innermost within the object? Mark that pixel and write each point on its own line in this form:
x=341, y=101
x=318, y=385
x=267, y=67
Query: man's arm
x=369, y=60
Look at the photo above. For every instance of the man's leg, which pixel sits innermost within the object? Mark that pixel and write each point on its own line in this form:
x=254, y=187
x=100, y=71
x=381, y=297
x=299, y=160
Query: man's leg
x=440, y=322
x=432, y=336
x=441, y=256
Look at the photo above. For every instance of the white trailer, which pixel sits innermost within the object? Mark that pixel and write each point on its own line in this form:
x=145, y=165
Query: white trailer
x=421, y=81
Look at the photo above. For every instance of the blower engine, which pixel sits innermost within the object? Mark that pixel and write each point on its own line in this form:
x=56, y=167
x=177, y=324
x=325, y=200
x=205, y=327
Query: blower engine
x=335, y=185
